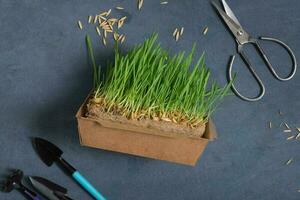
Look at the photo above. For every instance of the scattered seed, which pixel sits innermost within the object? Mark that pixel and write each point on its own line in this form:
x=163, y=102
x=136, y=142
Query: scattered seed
x=104, y=23
x=175, y=31
x=120, y=23
x=95, y=19
x=120, y=37
x=123, y=39
x=289, y=161
x=90, y=19
x=119, y=8
x=116, y=36
x=140, y=4
x=177, y=36
x=163, y=2
x=112, y=21
x=298, y=136
x=98, y=30
x=103, y=14
x=291, y=137
x=181, y=30
x=287, y=126
x=108, y=12
x=205, y=30
x=99, y=20
x=280, y=113
x=287, y=130
x=106, y=27
x=104, y=41
x=270, y=125
x=80, y=25
x=103, y=18
x=123, y=18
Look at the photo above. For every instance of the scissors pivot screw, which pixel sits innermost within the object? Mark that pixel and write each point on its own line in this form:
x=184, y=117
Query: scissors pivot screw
x=240, y=33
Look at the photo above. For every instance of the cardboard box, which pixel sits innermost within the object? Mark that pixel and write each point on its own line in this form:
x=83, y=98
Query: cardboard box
x=109, y=136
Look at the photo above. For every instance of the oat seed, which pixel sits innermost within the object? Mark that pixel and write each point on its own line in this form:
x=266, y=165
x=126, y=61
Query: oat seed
x=103, y=18
x=98, y=30
x=103, y=14
x=90, y=19
x=289, y=161
x=104, y=23
x=123, y=39
x=287, y=126
x=104, y=41
x=175, y=31
x=291, y=137
x=181, y=30
x=108, y=12
x=123, y=18
x=116, y=36
x=205, y=30
x=95, y=19
x=177, y=36
x=140, y=4
x=80, y=25
x=120, y=23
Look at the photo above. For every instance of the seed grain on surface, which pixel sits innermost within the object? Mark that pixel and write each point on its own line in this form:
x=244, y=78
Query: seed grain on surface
x=80, y=25
x=205, y=30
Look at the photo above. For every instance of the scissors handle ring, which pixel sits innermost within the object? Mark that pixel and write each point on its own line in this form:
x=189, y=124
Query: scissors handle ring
x=259, y=81
x=289, y=50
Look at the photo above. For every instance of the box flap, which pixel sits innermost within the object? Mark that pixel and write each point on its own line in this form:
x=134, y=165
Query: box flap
x=210, y=131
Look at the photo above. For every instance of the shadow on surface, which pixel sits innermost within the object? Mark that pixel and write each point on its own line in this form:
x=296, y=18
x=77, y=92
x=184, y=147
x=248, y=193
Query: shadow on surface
x=56, y=119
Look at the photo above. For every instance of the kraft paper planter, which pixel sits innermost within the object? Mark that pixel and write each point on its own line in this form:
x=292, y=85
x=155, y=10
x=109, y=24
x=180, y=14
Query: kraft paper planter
x=109, y=135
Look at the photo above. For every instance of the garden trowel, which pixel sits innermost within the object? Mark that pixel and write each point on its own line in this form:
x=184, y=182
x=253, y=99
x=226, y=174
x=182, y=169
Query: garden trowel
x=49, y=189
x=49, y=153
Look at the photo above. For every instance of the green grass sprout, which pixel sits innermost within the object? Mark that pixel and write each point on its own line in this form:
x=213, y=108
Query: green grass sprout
x=148, y=83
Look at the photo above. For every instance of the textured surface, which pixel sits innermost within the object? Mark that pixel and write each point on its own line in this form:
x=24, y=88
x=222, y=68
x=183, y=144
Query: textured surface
x=45, y=77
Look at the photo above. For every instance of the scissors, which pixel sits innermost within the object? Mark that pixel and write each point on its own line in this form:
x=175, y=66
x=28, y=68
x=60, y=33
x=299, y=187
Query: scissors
x=242, y=37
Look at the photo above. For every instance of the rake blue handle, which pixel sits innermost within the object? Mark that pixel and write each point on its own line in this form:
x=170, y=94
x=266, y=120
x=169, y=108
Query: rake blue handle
x=87, y=186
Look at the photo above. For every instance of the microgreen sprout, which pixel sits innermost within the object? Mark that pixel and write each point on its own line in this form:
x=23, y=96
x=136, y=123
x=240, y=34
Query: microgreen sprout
x=148, y=83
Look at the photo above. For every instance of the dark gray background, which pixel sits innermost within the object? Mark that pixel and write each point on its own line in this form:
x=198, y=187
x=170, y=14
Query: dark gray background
x=45, y=77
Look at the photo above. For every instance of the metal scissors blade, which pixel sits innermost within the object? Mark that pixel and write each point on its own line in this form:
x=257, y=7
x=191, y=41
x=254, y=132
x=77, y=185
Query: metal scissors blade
x=239, y=33
x=230, y=13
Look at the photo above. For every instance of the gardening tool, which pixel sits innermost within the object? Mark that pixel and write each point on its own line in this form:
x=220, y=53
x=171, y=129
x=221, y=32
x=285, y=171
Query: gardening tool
x=49, y=153
x=49, y=189
x=242, y=37
x=14, y=181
